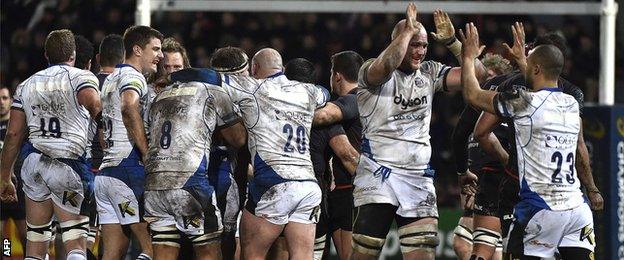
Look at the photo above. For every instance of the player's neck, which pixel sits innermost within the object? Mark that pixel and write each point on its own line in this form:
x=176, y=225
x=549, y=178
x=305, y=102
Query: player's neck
x=347, y=88
x=540, y=84
x=107, y=69
x=5, y=117
x=135, y=63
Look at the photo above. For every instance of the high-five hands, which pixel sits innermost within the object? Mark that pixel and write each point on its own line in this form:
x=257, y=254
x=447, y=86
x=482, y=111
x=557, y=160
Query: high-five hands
x=471, y=48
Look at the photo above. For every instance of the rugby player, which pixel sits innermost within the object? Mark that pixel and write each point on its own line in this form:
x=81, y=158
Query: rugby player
x=120, y=184
x=53, y=107
x=394, y=102
x=552, y=213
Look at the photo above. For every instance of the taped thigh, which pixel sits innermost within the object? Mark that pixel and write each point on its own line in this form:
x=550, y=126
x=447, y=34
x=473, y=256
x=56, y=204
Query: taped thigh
x=464, y=233
x=486, y=237
x=39, y=233
x=74, y=229
x=167, y=236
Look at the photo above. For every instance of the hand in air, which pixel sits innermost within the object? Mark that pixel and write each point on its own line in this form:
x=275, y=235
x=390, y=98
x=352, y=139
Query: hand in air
x=445, y=32
x=471, y=48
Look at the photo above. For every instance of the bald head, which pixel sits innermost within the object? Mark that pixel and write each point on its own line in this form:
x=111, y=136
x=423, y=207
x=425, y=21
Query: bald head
x=550, y=60
x=400, y=26
x=265, y=63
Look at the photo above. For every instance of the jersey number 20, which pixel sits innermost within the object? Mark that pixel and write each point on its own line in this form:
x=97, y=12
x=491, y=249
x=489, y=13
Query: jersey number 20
x=300, y=140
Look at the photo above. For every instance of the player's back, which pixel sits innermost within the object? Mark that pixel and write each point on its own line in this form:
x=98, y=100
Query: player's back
x=182, y=120
x=118, y=144
x=278, y=115
x=57, y=123
x=546, y=138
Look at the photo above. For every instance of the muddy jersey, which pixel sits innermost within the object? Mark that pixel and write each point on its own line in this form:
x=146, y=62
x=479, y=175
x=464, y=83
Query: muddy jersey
x=182, y=120
x=119, y=148
x=57, y=124
x=547, y=125
x=278, y=115
x=396, y=115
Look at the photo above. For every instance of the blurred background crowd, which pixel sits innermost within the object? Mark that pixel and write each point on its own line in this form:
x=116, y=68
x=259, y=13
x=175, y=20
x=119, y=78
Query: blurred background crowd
x=25, y=24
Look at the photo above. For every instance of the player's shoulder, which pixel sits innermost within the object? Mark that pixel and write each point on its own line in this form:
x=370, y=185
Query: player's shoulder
x=433, y=68
x=494, y=82
x=571, y=89
x=512, y=80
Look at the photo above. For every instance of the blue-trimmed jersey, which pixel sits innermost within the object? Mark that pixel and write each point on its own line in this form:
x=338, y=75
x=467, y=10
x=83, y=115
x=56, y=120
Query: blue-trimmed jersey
x=57, y=123
x=119, y=148
x=396, y=115
x=547, y=125
x=182, y=120
x=278, y=114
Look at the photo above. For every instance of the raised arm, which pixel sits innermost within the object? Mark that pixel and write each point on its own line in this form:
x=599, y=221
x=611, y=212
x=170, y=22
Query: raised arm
x=445, y=34
x=390, y=59
x=517, y=51
x=473, y=94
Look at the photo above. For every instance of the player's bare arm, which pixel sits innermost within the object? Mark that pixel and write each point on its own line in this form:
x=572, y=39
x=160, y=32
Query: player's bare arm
x=473, y=94
x=235, y=135
x=90, y=99
x=390, y=59
x=327, y=115
x=16, y=132
x=517, y=51
x=445, y=34
x=585, y=174
x=132, y=120
x=486, y=138
x=344, y=150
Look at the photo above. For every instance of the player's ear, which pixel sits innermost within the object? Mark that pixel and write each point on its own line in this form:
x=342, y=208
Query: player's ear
x=97, y=58
x=137, y=50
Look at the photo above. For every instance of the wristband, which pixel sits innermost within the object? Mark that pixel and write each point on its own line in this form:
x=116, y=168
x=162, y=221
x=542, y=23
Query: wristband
x=454, y=46
x=460, y=174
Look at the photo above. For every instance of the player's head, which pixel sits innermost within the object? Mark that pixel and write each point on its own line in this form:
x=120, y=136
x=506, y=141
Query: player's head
x=143, y=47
x=301, y=70
x=417, y=48
x=84, y=52
x=60, y=47
x=230, y=60
x=496, y=65
x=112, y=51
x=175, y=57
x=545, y=63
x=5, y=101
x=553, y=38
x=345, y=67
x=265, y=63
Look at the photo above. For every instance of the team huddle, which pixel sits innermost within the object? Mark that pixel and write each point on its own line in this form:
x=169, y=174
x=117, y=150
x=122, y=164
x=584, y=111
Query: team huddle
x=250, y=159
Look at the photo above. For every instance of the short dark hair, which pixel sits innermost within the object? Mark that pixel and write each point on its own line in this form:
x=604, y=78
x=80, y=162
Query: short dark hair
x=301, y=70
x=550, y=59
x=171, y=45
x=8, y=89
x=60, y=46
x=348, y=64
x=553, y=38
x=139, y=35
x=111, y=50
x=84, y=52
x=229, y=60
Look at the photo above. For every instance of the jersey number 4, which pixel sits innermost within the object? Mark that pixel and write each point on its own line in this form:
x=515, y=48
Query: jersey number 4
x=53, y=128
x=300, y=140
x=557, y=157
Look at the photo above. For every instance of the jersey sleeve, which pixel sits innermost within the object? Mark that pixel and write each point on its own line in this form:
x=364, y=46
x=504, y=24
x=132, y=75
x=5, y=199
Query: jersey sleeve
x=320, y=95
x=437, y=72
x=85, y=79
x=573, y=90
x=18, y=99
x=363, y=75
x=135, y=82
x=335, y=130
x=510, y=103
x=226, y=116
x=348, y=105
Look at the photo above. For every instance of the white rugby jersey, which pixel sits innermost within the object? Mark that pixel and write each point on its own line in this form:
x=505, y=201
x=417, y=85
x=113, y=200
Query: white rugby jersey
x=118, y=144
x=57, y=124
x=278, y=114
x=396, y=115
x=182, y=120
x=547, y=125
